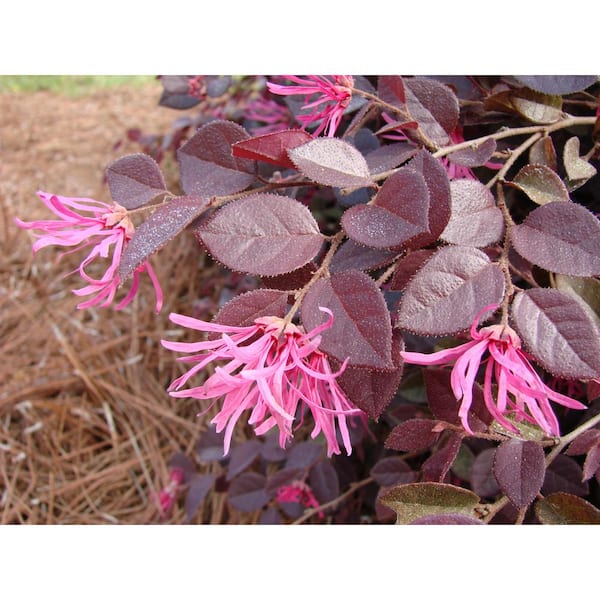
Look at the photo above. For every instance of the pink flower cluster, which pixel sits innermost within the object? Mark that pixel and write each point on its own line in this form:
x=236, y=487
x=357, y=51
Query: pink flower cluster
x=272, y=368
x=299, y=492
x=168, y=495
x=326, y=97
x=106, y=228
x=520, y=391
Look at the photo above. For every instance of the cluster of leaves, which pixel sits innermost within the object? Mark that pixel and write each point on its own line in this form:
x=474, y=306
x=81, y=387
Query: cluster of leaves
x=408, y=255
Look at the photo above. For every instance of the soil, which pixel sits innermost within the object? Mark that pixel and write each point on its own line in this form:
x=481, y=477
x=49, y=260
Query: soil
x=86, y=427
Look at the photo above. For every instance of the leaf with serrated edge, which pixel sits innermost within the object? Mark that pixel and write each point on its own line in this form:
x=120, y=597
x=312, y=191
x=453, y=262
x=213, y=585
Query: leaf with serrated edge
x=557, y=84
x=134, y=180
x=449, y=290
x=414, y=500
x=159, y=228
x=262, y=234
x=562, y=237
x=558, y=332
x=361, y=329
x=541, y=184
x=331, y=161
x=475, y=219
x=272, y=147
x=242, y=310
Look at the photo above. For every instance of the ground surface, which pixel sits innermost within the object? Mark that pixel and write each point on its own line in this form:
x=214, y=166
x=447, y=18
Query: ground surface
x=86, y=427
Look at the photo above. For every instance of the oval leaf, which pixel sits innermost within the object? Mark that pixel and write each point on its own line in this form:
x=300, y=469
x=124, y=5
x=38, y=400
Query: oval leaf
x=450, y=289
x=519, y=468
x=578, y=169
x=562, y=237
x=134, y=180
x=242, y=310
x=331, y=161
x=324, y=481
x=242, y=456
x=263, y=234
x=585, y=289
x=558, y=332
x=208, y=167
x=557, y=84
x=541, y=184
x=416, y=500
x=565, y=509
x=159, y=228
x=351, y=255
x=361, y=330
x=543, y=153
x=447, y=519
x=565, y=475
x=247, y=493
x=483, y=480
x=474, y=156
x=413, y=435
x=272, y=147
x=198, y=488
x=475, y=219
x=392, y=470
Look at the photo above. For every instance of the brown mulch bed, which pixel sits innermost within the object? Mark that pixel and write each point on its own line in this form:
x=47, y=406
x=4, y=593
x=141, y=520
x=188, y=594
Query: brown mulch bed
x=86, y=427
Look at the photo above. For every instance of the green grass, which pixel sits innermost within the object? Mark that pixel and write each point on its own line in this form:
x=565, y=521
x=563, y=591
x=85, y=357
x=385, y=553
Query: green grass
x=69, y=85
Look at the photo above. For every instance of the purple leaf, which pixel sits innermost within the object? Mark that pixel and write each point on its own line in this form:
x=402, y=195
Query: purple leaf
x=209, y=447
x=361, y=330
x=294, y=280
x=247, y=493
x=541, y=184
x=562, y=237
x=413, y=435
x=269, y=516
x=449, y=291
x=303, y=455
x=557, y=84
x=158, y=229
x=592, y=462
x=331, y=161
x=447, y=519
x=519, y=468
x=399, y=213
x=414, y=500
x=208, y=167
x=390, y=88
x=565, y=475
x=392, y=470
x=262, y=234
x=272, y=147
x=134, y=180
x=543, y=153
x=242, y=310
x=284, y=478
x=578, y=169
x=474, y=156
x=475, y=219
x=199, y=486
x=566, y=509
x=436, y=467
x=483, y=481
x=324, y=481
x=558, y=332
x=584, y=442
x=388, y=157
x=408, y=266
x=242, y=456
x=351, y=255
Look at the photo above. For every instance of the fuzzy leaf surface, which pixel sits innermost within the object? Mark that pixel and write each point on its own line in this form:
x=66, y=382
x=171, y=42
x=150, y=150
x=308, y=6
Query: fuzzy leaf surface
x=447, y=519
x=436, y=467
x=134, y=180
x=351, y=255
x=272, y=147
x=474, y=156
x=578, y=169
x=413, y=435
x=519, y=469
x=449, y=290
x=557, y=84
x=361, y=330
x=541, y=184
x=565, y=475
x=207, y=165
x=558, y=332
x=262, y=234
x=566, y=509
x=242, y=310
x=483, y=480
x=475, y=219
x=392, y=470
x=331, y=161
x=562, y=237
x=543, y=153
x=159, y=228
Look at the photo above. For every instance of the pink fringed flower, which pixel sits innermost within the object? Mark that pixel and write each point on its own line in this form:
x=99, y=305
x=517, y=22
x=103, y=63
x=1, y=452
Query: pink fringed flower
x=106, y=228
x=276, y=117
x=520, y=390
x=333, y=93
x=275, y=370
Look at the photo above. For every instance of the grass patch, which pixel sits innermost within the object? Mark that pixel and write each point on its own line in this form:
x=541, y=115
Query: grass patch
x=69, y=85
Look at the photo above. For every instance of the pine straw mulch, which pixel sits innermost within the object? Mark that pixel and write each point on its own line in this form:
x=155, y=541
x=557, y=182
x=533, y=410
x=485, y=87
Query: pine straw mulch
x=86, y=427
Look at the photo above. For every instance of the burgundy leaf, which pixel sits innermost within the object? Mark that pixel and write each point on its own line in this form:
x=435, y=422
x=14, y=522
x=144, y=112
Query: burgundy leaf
x=399, y=213
x=584, y=442
x=369, y=389
x=324, y=481
x=262, y=234
x=392, y=470
x=272, y=147
x=562, y=237
x=269, y=516
x=475, y=219
x=578, y=169
x=436, y=467
x=558, y=332
x=271, y=450
x=351, y=255
x=331, y=161
x=408, y=266
x=519, y=468
x=390, y=88
x=449, y=291
x=566, y=509
x=199, y=486
x=361, y=330
x=294, y=280
x=592, y=462
x=565, y=475
x=284, y=478
x=242, y=310
x=583, y=289
x=134, y=180
x=447, y=519
x=303, y=454
x=541, y=184
x=474, y=156
x=413, y=435
x=543, y=153
x=242, y=456
x=210, y=446
x=247, y=493
x=208, y=167
x=414, y=500
x=483, y=481
x=159, y=228
x=388, y=157
x=557, y=84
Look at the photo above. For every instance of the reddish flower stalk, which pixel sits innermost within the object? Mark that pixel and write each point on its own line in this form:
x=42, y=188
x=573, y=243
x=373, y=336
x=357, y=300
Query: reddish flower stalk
x=333, y=95
x=107, y=228
x=274, y=369
x=520, y=390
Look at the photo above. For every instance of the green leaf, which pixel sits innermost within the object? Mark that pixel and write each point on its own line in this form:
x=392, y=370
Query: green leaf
x=566, y=509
